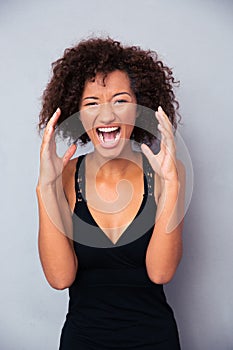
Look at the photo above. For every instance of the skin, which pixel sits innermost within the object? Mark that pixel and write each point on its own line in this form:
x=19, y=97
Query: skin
x=107, y=167
x=112, y=203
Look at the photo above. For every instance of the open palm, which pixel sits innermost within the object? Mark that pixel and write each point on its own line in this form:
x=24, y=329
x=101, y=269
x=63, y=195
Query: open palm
x=163, y=163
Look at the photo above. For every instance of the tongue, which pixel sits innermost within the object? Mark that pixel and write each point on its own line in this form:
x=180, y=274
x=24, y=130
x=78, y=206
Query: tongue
x=109, y=136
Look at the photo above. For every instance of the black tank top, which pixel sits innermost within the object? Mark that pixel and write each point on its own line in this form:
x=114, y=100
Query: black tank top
x=112, y=303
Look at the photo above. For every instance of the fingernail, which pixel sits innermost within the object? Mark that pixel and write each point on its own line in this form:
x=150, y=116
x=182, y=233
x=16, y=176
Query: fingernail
x=160, y=109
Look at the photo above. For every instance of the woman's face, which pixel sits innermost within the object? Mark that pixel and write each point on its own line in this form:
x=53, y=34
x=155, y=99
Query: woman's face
x=108, y=112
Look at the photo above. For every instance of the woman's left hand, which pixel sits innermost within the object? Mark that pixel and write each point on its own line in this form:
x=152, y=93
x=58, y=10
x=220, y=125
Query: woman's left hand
x=163, y=163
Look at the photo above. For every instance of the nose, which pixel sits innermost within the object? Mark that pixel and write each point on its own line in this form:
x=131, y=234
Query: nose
x=106, y=113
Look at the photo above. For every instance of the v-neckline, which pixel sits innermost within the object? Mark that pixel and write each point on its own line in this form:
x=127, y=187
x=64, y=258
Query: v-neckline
x=94, y=222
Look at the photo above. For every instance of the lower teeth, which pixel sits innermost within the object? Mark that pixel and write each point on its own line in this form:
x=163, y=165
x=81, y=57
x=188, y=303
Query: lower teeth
x=111, y=141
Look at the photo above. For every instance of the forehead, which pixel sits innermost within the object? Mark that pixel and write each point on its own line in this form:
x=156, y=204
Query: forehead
x=114, y=81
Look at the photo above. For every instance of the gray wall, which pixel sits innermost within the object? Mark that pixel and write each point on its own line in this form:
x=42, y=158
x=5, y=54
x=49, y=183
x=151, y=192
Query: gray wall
x=195, y=37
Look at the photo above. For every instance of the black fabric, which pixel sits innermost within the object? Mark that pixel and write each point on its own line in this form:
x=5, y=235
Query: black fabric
x=113, y=303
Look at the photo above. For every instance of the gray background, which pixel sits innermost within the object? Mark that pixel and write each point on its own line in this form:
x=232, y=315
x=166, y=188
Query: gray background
x=195, y=38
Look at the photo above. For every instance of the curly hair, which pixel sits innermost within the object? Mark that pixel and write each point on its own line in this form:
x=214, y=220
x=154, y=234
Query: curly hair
x=151, y=81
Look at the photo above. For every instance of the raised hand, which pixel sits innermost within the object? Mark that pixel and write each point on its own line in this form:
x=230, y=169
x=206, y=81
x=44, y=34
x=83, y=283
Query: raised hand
x=163, y=163
x=55, y=217
x=51, y=166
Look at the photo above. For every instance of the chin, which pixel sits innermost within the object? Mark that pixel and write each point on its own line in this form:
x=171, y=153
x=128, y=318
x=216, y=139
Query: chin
x=117, y=151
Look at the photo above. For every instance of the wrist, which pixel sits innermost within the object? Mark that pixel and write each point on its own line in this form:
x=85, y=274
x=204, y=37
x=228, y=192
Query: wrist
x=46, y=187
x=171, y=183
x=170, y=190
x=50, y=186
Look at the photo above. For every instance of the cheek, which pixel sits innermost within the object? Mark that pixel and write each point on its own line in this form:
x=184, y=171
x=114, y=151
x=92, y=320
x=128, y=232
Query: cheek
x=128, y=114
x=88, y=129
x=131, y=120
x=129, y=126
x=86, y=121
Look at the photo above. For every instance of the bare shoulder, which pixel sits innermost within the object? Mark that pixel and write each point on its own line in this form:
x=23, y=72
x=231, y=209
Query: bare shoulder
x=68, y=180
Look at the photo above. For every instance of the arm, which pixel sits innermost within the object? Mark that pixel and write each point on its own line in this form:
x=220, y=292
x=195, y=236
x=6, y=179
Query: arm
x=165, y=248
x=56, y=251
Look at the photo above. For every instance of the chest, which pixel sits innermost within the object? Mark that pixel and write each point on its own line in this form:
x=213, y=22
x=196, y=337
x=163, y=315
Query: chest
x=114, y=204
x=111, y=213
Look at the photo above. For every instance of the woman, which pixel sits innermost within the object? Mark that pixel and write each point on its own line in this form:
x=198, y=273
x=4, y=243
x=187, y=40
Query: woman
x=111, y=220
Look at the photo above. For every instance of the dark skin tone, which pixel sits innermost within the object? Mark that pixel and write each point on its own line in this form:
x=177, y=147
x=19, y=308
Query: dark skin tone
x=113, y=207
x=109, y=164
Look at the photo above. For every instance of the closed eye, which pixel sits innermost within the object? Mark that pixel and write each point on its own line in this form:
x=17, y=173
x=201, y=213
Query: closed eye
x=91, y=104
x=121, y=101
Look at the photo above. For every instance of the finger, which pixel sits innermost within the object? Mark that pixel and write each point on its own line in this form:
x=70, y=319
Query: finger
x=164, y=132
x=154, y=159
x=162, y=138
x=49, y=130
x=69, y=153
x=53, y=120
x=164, y=115
x=167, y=140
x=164, y=120
x=147, y=151
x=48, y=140
x=166, y=124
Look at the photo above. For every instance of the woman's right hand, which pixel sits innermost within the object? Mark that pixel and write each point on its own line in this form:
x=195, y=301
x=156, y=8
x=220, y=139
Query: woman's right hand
x=51, y=166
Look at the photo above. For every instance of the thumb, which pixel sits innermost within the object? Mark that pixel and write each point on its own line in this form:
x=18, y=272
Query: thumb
x=152, y=158
x=147, y=151
x=69, y=153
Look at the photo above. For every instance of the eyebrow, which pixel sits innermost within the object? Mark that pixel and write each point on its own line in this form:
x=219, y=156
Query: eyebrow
x=96, y=98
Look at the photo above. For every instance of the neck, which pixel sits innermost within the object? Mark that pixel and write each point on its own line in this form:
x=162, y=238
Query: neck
x=114, y=167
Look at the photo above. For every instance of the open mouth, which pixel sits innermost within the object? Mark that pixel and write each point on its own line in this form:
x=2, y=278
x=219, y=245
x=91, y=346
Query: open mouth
x=109, y=136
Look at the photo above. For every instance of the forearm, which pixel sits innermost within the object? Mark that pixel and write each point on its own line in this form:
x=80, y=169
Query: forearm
x=56, y=251
x=165, y=248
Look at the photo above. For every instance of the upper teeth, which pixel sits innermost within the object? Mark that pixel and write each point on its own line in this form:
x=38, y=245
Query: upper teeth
x=114, y=128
